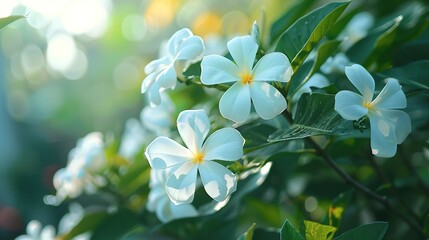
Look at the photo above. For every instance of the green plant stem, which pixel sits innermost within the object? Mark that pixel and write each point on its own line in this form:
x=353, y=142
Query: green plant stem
x=357, y=185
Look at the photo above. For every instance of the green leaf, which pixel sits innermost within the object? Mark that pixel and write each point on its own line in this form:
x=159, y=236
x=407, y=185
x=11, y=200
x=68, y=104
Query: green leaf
x=289, y=232
x=414, y=75
x=315, y=115
x=8, y=20
x=317, y=231
x=426, y=226
x=298, y=40
x=115, y=225
x=324, y=51
x=337, y=208
x=88, y=223
x=291, y=15
x=366, y=50
x=248, y=235
x=372, y=231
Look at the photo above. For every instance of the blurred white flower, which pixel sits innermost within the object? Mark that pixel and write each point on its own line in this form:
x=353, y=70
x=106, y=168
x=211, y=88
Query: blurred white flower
x=158, y=119
x=183, y=48
x=250, y=81
x=159, y=202
x=81, y=172
x=335, y=64
x=356, y=29
x=133, y=138
x=36, y=232
x=71, y=219
x=317, y=80
x=389, y=126
x=184, y=163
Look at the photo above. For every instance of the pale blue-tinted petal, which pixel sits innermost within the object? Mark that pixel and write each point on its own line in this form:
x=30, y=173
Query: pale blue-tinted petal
x=243, y=51
x=235, y=103
x=180, y=185
x=167, y=211
x=218, y=181
x=48, y=233
x=362, y=80
x=148, y=81
x=154, y=197
x=153, y=95
x=158, y=119
x=190, y=49
x=350, y=105
x=383, y=137
x=164, y=152
x=157, y=64
x=401, y=122
x=167, y=78
x=175, y=40
x=224, y=144
x=391, y=96
x=271, y=67
x=317, y=80
x=267, y=100
x=193, y=127
x=216, y=69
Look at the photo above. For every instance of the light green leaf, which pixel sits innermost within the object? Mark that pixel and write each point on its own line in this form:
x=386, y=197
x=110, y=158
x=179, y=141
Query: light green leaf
x=372, y=231
x=315, y=115
x=248, y=235
x=366, y=50
x=8, y=20
x=291, y=15
x=115, y=225
x=288, y=232
x=298, y=40
x=88, y=223
x=317, y=231
x=413, y=76
x=324, y=51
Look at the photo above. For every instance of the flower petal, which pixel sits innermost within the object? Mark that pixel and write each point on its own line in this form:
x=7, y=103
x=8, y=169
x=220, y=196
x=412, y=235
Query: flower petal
x=218, y=181
x=235, y=103
x=267, y=100
x=167, y=78
x=400, y=120
x=154, y=95
x=164, y=152
x=243, y=51
x=383, y=137
x=224, y=144
x=217, y=69
x=156, y=64
x=180, y=185
x=350, y=105
x=175, y=40
x=362, y=80
x=190, y=49
x=148, y=81
x=167, y=211
x=272, y=67
x=193, y=127
x=391, y=96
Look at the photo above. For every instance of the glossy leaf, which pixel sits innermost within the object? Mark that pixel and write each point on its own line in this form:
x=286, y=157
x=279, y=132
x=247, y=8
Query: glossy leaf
x=248, y=235
x=115, y=225
x=317, y=231
x=414, y=75
x=8, y=20
x=372, y=231
x=289, y=232
x=298, y=41
x=315, y=115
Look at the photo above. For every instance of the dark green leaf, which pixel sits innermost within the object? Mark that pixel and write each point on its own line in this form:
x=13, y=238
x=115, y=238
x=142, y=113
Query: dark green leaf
x=414, y=75
x=248, y=235
x=288, y=232
x=298, y=41
x=317, y=231
x=291, y=15
x=426, y=226
x=8, y=20
x=337, y=208
x=315, y=115
x=324, y=51
x=372, y=231
x=366, y=50
x=115, y=225
x=88, y=223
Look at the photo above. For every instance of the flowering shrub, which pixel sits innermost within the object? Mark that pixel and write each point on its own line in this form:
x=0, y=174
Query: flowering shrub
x=275, y=134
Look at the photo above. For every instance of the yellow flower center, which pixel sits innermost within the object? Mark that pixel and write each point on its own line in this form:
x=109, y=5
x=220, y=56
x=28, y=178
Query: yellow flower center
x=199, y=158
x=246, y=78
x=368, y=105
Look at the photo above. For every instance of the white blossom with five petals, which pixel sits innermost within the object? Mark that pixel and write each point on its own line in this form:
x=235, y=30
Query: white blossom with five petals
x=250, y=82
x=183, y=48
x=389, y=126
x=185, y=162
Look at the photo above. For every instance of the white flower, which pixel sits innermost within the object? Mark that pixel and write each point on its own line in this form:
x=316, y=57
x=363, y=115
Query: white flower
x=35, y=232
x=159, y=202
x=317, y=80
x=133, y=138
x=158, y=119
x=183, y=48
x=356, y=29
x=80, y=174
x=335, y=64
x=184, y=163
x=250, y=81
x=389, y=127
x=71, y=219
